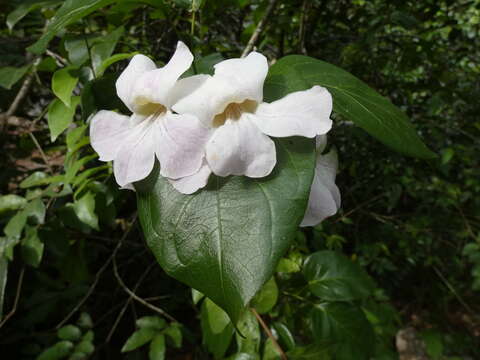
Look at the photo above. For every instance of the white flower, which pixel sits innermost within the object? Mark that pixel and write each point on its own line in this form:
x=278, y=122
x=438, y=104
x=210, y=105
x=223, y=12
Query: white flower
x=324, y=200
x=231, y=104
x=133, y=141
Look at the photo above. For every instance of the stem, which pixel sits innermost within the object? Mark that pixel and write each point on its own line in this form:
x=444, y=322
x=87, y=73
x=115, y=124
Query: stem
x=17, y=298
x=259, y=29
x=269, y=334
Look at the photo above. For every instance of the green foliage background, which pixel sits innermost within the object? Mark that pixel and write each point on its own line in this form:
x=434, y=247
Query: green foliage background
x=403, y=251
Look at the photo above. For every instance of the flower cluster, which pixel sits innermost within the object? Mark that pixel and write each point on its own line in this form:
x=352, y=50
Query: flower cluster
x=204, y=124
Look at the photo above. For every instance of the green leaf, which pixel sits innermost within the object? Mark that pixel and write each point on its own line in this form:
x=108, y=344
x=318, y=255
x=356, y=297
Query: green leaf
x=63, y=83
x=113, y=59
x=248, y=335
x=3, y=280
x=217, y=330
x=334, y=277
x=266, y=298
x=35, y=211
x=39, y=178
x=11, y=202
x=57, y=351
x=352, y=99
x=26, y=7
x=345, y=329
x=9, y=75
x=433, y=343
x=174, y=334
x=284, y=335
x=154, y=322
x=227, y=239
x=270, y=351
x=197, y=296
x=85, y=210
x=32, y=249
x=85, y=322
x=102, y=49
x=15, y=225
x=310, y=352
x=60, y=116
x=71, y=11
x=139, y=338
x=85, y=347
x=69, y=332
x=157, y=348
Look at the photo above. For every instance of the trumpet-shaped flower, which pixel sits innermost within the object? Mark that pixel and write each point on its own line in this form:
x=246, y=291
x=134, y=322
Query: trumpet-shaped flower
x=153, y=129
x=324, y=199
x=230, y=103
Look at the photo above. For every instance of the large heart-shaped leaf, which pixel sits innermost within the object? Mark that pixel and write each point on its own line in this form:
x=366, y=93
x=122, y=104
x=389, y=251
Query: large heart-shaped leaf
x=352, y=99
x=227, y=239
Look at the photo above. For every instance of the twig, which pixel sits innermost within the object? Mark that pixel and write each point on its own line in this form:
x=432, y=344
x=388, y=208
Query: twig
x=60, y=60
x=301, y=31
x=453, y=291
x=124, y=308
x=259, y=29
x=138, y=298
x=97, y=276
x=40, y=150
x=269, y=334
x=18, y=99
x=17, y=298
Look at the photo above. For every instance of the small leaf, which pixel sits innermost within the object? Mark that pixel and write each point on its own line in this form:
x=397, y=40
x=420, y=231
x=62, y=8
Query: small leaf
x=71, y=11
x=284, y=335
x=15, y=225
x=433, y=343
x=352, y=99
x=310, y=352
x=174, y=334
x=57, y=351
x=217, y=330
x=85, y=322
x=139, y=338
x=270, y=351
x=60, y=116
x=85, y=210
x=154, y=322
x=157, y=348
x=113, y=59
x=10, y=75
x=345, y=328
x=69, y=332
x=35, y=211
x=85, y=347
x=104, y=47
x=32, y=249
x=39, y=178
x=196, y=296
x=26, y=7
x=63, y=83
x=333, y=277
x=266, y=298
x=11, y=202
x=249, y=340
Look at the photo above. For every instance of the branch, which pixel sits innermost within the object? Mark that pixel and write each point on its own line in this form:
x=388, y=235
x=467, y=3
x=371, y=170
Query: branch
x=259, y=29
x=138, y=298
x=17, y=298
x=98, y=275
x=269, y=334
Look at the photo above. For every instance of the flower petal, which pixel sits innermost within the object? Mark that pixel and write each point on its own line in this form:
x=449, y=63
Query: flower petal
x=125, y=84
x=248, y=74
x=235, y=81
x=156, y=86
x=135, y=159
x=180, y=144
x=302, y=113
x=239, y=148
x=190, y=184
x=108, y=131
x=324, y=200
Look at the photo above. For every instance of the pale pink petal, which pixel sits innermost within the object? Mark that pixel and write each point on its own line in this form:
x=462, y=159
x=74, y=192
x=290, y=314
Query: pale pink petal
x=135, y=160
x=190, y=184
x=239, y=148
x=108, y=131
x=180, y=144
x=302, y=113
x=324, y=200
